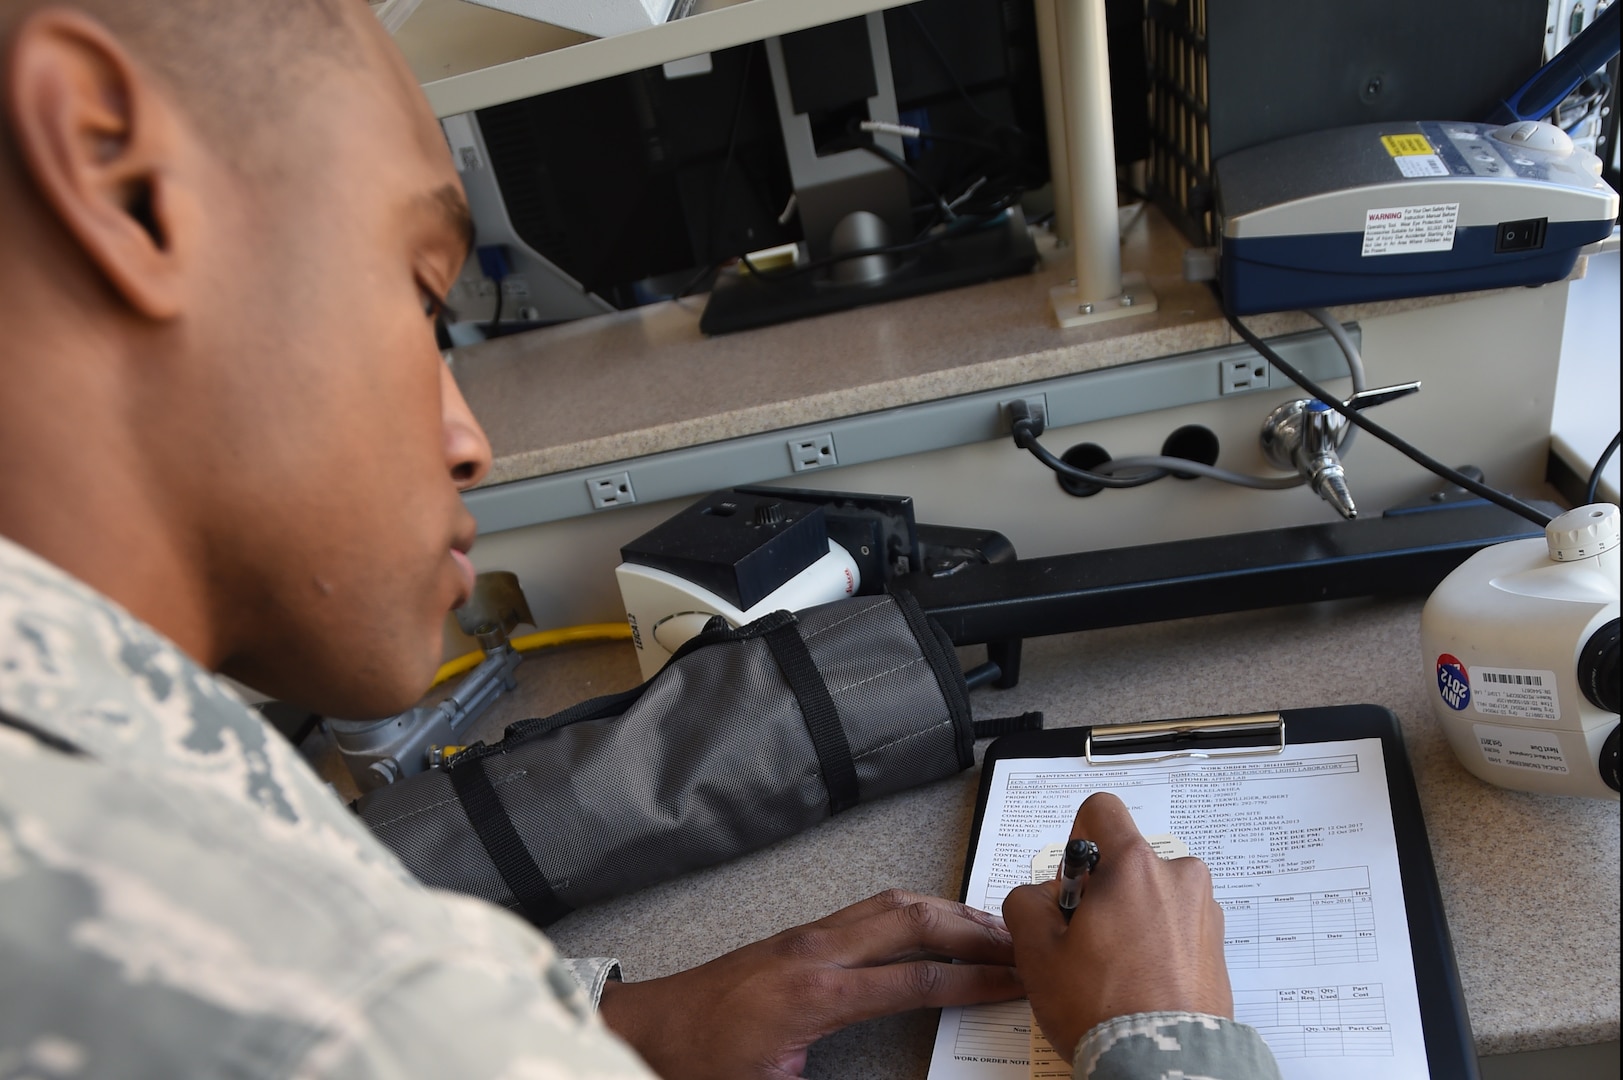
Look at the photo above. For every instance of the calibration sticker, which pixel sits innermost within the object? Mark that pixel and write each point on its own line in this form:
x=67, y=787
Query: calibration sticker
x=1453, y=682
x=1045, y=864
x=1523, y=692
x=1408, y=230
x=1520, y=748
x=1414, y=156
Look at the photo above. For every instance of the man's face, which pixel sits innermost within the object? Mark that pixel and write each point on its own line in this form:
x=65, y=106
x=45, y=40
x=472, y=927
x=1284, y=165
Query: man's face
x=323, y=431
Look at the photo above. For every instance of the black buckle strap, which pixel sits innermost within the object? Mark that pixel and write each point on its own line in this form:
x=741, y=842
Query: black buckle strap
x=503, y=843
x=822, y=718
x=997, y=726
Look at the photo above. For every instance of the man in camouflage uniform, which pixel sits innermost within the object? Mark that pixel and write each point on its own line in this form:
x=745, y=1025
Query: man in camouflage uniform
x=230, y=445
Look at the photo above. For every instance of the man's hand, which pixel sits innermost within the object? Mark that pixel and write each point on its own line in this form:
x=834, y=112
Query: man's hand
x=754, y=1012
x=1147, y=936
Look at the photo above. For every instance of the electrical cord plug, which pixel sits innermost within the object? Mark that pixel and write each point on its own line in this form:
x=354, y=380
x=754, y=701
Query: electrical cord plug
x=1028, y=418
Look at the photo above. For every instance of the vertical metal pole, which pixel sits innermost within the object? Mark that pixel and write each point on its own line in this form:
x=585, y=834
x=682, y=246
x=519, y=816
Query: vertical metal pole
x=1059, y=165
x=1096, y=235
x=1100, y=290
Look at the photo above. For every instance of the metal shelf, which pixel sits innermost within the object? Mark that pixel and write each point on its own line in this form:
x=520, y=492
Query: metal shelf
x=470, y=57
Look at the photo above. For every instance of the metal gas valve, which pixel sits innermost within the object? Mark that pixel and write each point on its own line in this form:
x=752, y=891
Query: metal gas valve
x=1307, y=435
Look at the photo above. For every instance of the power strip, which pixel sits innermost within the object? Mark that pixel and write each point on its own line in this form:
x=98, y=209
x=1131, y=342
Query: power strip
x=1169, y=382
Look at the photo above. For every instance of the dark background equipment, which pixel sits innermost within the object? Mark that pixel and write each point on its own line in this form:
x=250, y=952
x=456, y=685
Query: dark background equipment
x=634, y=184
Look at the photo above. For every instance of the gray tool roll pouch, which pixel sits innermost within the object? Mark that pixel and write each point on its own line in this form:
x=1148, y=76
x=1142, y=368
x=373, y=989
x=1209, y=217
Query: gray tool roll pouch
x=747, y=736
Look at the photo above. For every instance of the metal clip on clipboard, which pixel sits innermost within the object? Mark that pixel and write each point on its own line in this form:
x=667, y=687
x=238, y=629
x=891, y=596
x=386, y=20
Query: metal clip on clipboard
x=1252, y=735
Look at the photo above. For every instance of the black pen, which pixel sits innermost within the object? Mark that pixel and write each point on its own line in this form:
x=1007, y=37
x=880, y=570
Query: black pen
x=1081, y=856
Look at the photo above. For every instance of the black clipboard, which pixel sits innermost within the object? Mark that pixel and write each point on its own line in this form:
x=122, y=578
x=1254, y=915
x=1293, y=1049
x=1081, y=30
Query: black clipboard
x=1450, y=1048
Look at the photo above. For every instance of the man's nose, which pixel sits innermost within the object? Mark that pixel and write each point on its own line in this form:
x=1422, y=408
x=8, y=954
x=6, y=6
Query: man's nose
x=467, y=451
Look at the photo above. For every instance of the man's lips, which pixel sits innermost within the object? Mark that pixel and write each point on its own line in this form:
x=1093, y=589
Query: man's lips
x=464, y=565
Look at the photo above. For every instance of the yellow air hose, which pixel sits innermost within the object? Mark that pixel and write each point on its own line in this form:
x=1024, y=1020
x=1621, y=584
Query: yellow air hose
x=541, y=639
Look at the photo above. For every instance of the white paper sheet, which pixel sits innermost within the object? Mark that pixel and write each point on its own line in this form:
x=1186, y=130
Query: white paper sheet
x=1304, y=863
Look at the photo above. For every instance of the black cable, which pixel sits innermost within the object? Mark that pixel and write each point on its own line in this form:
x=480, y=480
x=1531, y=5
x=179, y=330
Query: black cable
x=912, y=174
x=1592, y=488
x=1026, y=439
x=1453, y=476
x=495, y=319
x=721, y=179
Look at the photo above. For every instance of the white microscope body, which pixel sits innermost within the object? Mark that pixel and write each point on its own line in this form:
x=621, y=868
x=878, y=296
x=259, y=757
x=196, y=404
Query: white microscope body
x=1520, y=644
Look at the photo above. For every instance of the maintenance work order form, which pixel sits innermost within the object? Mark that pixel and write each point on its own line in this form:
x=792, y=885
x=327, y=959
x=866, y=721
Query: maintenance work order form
x=1304, y=863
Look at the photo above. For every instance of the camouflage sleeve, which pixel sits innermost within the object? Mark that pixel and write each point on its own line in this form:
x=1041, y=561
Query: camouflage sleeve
x=591, y=973
x=180, y=895
x=137, y=938
x=1154, y=1046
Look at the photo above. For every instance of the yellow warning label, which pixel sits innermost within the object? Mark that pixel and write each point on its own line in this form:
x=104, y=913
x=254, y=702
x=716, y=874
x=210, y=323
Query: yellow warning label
x=1404, y=145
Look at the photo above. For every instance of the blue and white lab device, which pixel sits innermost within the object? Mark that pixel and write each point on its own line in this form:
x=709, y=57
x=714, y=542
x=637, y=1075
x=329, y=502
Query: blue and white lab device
x=1384, y=211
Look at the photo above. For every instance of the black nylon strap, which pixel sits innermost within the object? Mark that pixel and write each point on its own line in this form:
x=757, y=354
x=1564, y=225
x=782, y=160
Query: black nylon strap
x=504, y=845
x=949, y=677
x=822, y=718
x=520, y=731
x=996, y=726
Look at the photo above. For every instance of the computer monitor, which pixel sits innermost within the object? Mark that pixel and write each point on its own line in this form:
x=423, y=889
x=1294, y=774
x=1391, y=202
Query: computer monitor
x=635, y=188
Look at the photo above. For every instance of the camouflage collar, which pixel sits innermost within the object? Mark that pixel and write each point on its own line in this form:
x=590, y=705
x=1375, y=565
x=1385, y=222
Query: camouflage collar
x=77, y=666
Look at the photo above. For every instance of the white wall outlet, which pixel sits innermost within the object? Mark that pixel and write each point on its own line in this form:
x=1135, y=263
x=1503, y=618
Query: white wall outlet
x=610, y=491
x=1243, y=376
x=813, y=452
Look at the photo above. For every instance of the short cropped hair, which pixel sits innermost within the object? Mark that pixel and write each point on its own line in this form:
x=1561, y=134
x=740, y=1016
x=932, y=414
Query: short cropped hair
x=231, y=64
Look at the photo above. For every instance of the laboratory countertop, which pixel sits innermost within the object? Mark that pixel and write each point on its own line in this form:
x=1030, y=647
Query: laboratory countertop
x=632, y=383
x=1530, y=883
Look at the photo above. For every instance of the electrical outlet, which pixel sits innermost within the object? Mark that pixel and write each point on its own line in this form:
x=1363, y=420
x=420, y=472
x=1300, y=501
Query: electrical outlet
x=1243, y=375
x=608, y=492
x=816, y=452
x=1036, y=408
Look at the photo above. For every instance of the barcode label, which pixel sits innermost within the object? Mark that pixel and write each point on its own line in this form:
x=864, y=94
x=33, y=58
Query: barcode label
x=1512, y=680
x=1528, y=693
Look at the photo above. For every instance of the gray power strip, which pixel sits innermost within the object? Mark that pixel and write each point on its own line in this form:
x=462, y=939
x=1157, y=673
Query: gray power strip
x=1147, y=386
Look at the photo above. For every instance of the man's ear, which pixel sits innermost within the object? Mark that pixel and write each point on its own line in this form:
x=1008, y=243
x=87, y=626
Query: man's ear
x=99, y=141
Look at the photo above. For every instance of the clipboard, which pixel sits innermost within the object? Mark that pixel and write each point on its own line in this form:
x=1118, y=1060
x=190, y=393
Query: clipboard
x=1450, y=1048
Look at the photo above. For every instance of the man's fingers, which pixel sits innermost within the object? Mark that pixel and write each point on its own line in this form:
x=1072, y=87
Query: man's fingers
x=856, y=994
x=1032, y=912
x=889, y=934
x=877, y=904
x=895, y=899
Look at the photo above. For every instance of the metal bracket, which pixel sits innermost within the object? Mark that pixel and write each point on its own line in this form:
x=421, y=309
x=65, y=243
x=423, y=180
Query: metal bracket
x=1072, y=309
x=1129, y=735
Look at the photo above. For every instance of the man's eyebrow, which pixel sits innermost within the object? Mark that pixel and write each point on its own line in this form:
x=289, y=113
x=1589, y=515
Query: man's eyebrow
x=452, y=208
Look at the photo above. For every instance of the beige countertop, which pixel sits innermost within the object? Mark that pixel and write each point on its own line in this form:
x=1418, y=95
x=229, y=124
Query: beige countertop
x=1530, y=883
x=640, y=382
